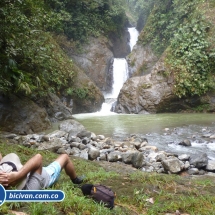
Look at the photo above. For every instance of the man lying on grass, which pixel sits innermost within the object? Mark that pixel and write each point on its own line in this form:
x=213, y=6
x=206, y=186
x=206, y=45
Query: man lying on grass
x=33, y=176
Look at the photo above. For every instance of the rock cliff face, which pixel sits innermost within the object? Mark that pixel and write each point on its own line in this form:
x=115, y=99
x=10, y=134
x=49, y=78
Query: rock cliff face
x=145, y=94
x=154, y=92
x=96, y=62
x=97, y=59
x=92, y=102
x=22, y=116
x=141, y=60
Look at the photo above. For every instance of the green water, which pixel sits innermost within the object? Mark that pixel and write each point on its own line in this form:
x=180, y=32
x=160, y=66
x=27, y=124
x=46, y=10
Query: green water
x=152, y=127
x=123, y=124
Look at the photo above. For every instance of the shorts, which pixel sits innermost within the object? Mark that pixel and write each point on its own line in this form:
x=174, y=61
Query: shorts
x=53, y=171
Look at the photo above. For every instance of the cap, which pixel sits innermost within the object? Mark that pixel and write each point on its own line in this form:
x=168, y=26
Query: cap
x=5, y=166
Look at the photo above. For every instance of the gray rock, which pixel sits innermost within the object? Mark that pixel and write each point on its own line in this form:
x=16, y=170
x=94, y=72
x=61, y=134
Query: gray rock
x=193, y=171
x=184, y=157
x=85, y=140
x=114, y=156
x=61, y=151
x=20, y=115
x=138, y=160
x=75, y=151
x=212, y=136
x=210, y=166
x=84, y=134
x=60, y=116
x=72, y=138
x=172, y=165
x=74, y=144
x=103, y=157
x=185, y=143
x=127, y=158
x=57, y=134
x=84, y=154
x=53, y=145
x=71, y=126
x=100, y=137
x=199, y=161
x=82, y=146
x=186, y=165
x=93, y=153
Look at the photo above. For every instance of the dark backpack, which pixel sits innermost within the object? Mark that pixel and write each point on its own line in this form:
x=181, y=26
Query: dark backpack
x=100, y=193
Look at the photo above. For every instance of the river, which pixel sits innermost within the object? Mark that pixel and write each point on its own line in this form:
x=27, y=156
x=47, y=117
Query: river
x=154, y=127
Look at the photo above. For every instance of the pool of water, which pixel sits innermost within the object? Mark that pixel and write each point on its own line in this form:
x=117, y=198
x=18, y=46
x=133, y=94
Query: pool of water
x=154, y=128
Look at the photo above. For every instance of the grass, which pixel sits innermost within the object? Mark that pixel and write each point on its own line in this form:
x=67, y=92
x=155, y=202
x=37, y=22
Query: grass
x=137, y=192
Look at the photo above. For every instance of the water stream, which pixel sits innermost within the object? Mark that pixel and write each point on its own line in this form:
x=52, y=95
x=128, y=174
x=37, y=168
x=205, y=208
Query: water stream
x=154, y=128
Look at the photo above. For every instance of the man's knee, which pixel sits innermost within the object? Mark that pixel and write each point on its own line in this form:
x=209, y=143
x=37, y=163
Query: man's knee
x=64, y=156
x=63, y=159
x=38, y=157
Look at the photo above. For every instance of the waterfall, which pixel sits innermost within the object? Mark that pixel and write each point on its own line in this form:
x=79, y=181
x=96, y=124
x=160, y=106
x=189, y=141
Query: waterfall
x=133, y=36
x=120, y=74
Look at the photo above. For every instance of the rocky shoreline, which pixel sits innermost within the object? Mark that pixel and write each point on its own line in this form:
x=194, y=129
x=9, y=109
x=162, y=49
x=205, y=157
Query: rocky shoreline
x=72, y=138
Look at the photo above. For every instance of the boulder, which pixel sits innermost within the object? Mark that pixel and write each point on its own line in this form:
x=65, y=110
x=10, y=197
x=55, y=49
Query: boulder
x=210, y=166
x=138, y=160
x=53, y=145
x=72, y=127
x=146, y=93
x=172, y=165
x=127, y=158
x=20, y=115
x=57, y=109
x=185, y=143
x=199, y=161
x=114, y=156
x=93, y=153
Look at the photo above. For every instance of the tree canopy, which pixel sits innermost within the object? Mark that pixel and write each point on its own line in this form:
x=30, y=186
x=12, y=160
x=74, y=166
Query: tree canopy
x=31, y=61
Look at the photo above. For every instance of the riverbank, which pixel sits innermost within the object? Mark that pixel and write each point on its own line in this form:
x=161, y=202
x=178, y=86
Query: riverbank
x=72, y=138
x=137, y=192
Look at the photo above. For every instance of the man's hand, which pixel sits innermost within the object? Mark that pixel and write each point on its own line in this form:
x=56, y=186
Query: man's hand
x=4, y=179
x=9, y=179
x=12, y=178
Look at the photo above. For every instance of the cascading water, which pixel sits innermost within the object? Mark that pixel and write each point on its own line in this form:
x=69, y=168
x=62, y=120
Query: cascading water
x=133, y=36
x=120, y=74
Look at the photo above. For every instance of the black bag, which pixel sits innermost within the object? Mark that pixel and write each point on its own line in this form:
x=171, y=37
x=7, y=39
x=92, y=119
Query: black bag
x=100, y=193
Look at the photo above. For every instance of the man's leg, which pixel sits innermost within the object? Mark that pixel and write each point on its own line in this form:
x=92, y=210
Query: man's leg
x=67, y=164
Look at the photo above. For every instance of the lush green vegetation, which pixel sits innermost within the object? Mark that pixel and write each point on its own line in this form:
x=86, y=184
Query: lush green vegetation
x=184, y=30
x=137, y=193
x=31, y=61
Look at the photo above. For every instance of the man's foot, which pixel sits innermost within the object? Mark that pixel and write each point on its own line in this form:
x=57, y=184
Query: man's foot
x=78, y=180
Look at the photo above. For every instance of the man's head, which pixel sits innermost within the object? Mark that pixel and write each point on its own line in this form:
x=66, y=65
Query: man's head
x=11, y=163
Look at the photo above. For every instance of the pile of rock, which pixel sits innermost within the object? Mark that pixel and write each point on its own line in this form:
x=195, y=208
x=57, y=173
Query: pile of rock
x=72, y=138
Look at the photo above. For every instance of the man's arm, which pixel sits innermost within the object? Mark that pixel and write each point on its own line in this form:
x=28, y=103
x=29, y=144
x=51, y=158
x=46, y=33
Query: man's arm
x=13, y=178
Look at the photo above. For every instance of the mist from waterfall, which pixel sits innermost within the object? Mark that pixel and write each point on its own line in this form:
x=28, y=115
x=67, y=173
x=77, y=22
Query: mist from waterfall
x=120, y=75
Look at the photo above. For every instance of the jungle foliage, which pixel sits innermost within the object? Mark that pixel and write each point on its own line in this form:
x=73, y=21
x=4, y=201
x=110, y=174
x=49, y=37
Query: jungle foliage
x=184, y=30
x=31, y=61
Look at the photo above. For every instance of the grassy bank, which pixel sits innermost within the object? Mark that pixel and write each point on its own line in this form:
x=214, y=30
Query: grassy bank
x=137, y=192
